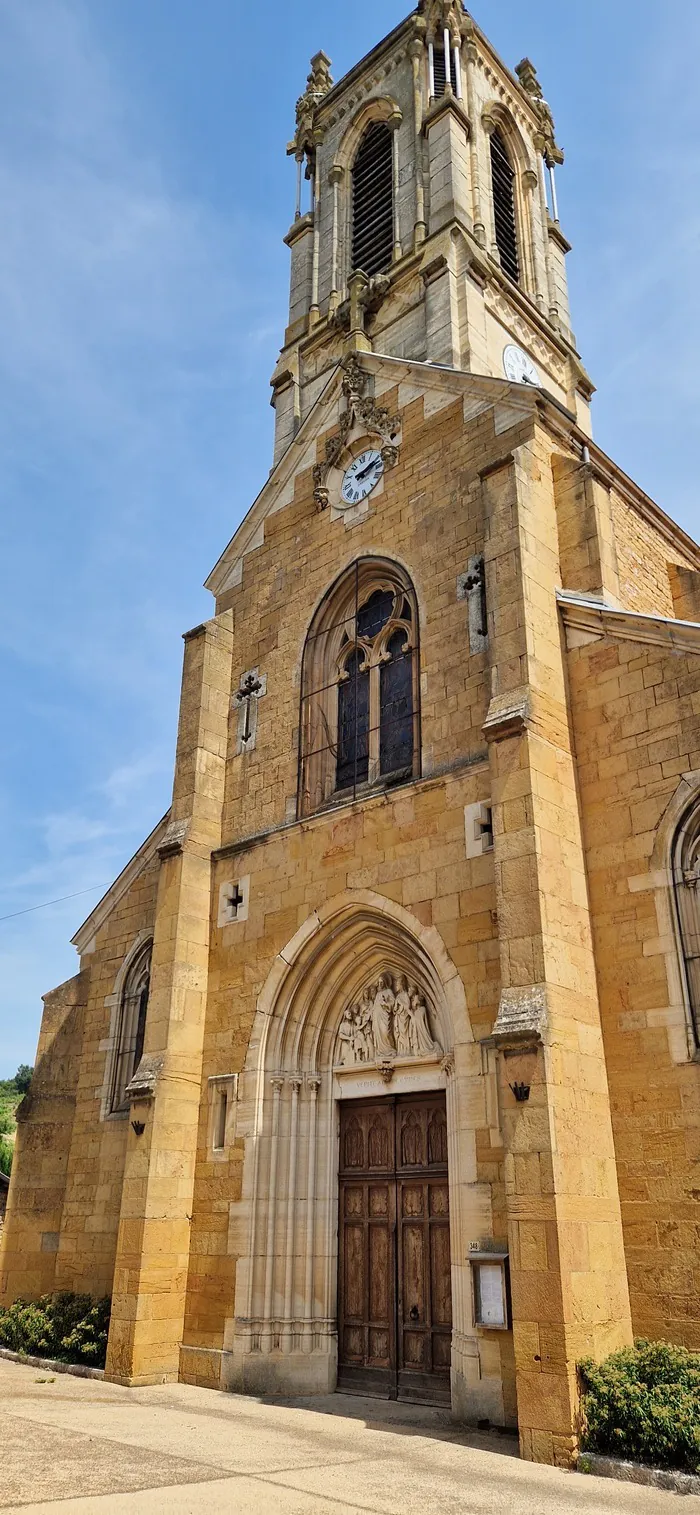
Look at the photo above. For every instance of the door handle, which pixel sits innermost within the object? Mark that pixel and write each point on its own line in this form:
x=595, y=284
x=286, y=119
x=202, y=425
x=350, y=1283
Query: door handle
x=414, y=1313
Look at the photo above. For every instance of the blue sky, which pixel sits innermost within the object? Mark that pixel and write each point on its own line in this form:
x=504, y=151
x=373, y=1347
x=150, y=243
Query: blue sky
x=145, y=192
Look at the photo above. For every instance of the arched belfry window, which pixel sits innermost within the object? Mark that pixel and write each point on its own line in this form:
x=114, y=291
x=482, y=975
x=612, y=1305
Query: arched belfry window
x=373, y=201
x=503, y=182
x=131, y=1026
x=359, y=722
x=686, y=883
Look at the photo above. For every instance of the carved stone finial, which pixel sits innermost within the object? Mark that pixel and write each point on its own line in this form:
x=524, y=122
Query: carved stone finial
x=318, y=84
x=545, y=140
x=354, y=377
x=441, y=14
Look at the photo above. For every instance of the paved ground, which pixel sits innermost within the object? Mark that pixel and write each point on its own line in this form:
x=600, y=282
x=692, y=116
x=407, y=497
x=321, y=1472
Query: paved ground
x=70, y=1444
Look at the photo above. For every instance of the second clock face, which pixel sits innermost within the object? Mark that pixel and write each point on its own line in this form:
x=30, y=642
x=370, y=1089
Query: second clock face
x=518, y=366
x=362, y=476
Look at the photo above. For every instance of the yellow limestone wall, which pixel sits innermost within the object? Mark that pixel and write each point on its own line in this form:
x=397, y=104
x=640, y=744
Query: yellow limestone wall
x=636, y=721
x=150, y=1214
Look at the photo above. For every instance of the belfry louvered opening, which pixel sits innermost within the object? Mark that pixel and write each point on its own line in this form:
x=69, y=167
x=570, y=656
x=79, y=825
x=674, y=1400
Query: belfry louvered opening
x=503, y=177
x=372, y=201
x=439, y=70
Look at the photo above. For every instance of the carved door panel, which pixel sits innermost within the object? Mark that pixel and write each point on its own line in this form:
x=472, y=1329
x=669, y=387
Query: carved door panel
x=395, y=1301
x=424, y=1337
x=367, y=1250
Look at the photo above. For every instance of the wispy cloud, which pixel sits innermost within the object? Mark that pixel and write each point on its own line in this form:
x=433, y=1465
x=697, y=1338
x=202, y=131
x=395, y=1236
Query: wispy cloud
x=127, y=326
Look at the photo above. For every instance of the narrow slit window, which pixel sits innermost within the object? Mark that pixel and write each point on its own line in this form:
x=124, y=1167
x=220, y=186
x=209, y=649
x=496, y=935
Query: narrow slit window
x=220, y=1118
x=503, y=180
x=373, y=201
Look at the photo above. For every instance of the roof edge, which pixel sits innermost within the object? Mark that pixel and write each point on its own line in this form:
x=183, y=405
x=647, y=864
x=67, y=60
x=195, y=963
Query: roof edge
x=599, y=618
x=84, y=936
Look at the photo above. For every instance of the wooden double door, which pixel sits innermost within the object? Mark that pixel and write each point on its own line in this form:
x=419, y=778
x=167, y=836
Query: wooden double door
x=394, y=1295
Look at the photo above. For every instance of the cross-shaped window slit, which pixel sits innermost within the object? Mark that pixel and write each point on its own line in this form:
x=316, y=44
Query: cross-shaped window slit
x=485, y=827
x=249, y=690
x=236, y=899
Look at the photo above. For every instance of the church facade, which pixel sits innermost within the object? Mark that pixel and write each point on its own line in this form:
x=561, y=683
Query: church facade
x=381, y=1069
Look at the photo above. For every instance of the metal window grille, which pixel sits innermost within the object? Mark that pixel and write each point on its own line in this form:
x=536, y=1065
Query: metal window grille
x=359, y=721
x=503, y=176
x=686, y=884
x=131, y=1028
x=373, y=201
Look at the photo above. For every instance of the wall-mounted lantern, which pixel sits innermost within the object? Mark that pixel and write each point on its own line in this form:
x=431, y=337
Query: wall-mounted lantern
x=490, y=1290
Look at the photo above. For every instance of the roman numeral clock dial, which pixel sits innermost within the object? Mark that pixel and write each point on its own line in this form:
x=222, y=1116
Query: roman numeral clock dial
x=362, y=476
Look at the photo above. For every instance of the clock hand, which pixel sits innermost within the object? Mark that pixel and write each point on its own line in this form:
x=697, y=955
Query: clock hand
x=367, y=469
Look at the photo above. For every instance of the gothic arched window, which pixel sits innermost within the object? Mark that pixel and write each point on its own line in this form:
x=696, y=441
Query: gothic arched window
x=503, y=182
x=686, y=883
x=359, y=723
x=131, y=1026
x=373, y=201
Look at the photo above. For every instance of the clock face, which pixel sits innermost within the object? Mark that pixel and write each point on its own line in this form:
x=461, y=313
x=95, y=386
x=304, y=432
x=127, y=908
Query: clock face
x=362, y=476
x=518, y=367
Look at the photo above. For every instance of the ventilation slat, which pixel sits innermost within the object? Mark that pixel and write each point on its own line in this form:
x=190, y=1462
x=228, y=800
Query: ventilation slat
x=439, y=70
x=372, y=199
x=502, y=178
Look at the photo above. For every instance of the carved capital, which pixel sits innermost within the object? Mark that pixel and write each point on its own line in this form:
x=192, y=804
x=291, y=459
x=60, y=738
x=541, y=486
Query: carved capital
x=142, y=1085
x=508, y=716
x=522, y=1018
x=174, y=840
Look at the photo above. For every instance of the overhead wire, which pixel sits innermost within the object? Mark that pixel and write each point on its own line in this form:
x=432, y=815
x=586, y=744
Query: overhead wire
x=31, y=908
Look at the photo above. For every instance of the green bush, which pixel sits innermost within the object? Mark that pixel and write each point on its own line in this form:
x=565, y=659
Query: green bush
x=643, y=1405
x=68, y=1327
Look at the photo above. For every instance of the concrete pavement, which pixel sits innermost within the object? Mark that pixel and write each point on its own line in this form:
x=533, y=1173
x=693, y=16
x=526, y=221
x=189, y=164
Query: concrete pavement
x=78, y=1445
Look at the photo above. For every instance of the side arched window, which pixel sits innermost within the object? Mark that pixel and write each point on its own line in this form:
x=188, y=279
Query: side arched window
x=503, y=183
x=373, y=201
x=686, y=883
x=359, y=723
x=131, y=1026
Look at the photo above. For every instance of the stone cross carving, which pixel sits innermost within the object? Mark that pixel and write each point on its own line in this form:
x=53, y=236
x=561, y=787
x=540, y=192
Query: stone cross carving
x=251, y=689
x=390, y=1020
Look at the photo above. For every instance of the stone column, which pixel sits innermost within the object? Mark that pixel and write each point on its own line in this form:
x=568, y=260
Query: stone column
x=569, y=1281
x=470, y=53
x=150, y=1275
x=417, y=51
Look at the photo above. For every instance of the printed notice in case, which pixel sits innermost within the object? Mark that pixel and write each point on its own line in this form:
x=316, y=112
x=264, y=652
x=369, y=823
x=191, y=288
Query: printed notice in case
x=491, y=1294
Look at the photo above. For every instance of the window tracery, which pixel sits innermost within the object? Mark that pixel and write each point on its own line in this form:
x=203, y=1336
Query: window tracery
x=359, y=707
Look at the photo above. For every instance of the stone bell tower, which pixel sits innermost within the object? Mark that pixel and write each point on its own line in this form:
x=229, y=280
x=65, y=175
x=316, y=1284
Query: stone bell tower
x=432, y=228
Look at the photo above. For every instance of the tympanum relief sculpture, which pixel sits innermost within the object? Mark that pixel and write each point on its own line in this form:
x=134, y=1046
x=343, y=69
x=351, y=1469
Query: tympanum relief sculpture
x=390, y=1020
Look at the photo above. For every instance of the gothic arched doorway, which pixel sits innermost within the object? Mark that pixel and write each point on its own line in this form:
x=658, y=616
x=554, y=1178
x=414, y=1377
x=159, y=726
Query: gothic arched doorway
x=313, y=1051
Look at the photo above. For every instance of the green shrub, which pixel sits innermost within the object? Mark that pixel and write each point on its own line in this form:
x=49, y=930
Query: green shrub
x=68, y=1327
x=643, y=1404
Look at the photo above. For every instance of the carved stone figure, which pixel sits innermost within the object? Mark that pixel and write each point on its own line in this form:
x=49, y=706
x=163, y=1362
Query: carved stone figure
x=390, y=1021
x=364, y=1040
x=402, y=1018
x=421, y=1040
x=382, y=1013
x=346, y=1039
